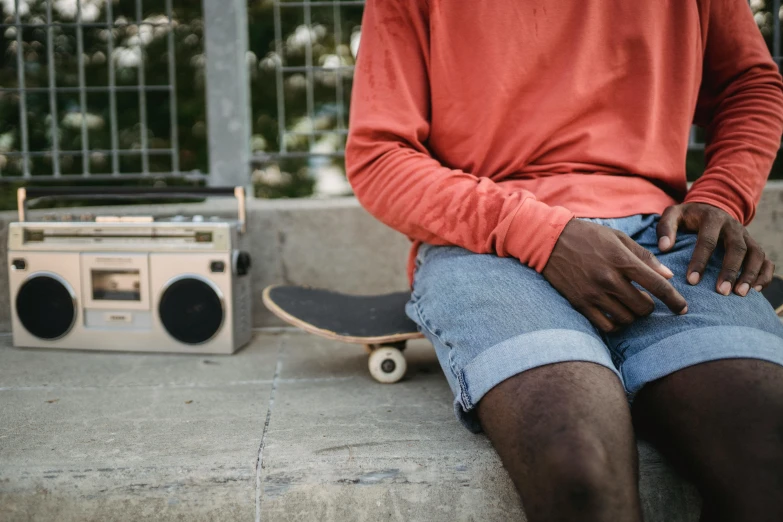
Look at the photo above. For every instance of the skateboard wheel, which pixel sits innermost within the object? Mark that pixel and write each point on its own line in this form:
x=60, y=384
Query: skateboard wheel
x=387, y=365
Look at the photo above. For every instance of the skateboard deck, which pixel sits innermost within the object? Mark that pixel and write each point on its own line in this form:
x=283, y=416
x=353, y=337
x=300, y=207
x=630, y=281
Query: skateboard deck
x=774, y=294
x=376, y=321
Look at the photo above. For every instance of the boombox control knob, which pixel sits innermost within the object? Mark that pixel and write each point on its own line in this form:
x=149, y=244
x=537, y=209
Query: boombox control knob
x=243, y=263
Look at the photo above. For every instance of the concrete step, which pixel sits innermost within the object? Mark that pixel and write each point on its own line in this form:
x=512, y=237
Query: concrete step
x=105, y=436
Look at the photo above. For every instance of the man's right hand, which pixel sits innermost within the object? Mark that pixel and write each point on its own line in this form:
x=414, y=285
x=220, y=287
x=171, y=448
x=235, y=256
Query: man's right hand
x=593, y=266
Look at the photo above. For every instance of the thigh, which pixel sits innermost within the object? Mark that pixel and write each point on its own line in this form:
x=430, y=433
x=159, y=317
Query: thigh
x=490, y=318
x=721, y=423
x=564, y=433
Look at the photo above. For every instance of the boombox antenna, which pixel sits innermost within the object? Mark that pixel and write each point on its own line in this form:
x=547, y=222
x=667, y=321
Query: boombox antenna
x=21, y=203
x=239, y=193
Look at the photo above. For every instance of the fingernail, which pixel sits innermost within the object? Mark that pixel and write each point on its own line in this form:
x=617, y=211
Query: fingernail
x=743, y=289
x=664, y=243
x=724, y=288
x=757, y=288
x=667, y=271
x=684, y=310
x=693, y=278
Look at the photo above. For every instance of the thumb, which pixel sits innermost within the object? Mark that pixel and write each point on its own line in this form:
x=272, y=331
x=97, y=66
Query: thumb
x=667, y=227
x=647, y=257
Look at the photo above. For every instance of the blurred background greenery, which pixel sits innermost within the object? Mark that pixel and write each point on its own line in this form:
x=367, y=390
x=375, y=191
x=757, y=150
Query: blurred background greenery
x=320, y=175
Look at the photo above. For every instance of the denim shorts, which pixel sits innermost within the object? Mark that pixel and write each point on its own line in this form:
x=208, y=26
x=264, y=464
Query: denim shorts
x=490, y=318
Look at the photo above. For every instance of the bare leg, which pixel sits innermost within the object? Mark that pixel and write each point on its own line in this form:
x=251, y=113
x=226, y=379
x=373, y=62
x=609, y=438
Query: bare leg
x=721, y=423
x=564, y=434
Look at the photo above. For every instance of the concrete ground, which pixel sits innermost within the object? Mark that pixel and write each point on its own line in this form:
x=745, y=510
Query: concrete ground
x=104, y=436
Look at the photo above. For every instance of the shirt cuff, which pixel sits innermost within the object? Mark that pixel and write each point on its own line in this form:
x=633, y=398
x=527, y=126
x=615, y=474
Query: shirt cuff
x=534, y=231
x=719, y=194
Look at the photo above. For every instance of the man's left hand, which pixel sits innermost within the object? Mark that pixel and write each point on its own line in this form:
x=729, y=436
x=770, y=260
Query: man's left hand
x=744, y=266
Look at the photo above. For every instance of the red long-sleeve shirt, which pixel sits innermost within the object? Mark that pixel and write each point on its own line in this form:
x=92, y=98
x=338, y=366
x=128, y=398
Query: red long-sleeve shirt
x=490, y=124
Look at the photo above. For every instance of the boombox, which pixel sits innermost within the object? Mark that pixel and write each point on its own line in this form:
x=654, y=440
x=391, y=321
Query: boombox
x=131, y=283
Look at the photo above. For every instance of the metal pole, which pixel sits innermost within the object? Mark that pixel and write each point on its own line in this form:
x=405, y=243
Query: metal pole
x=82, y=92
x=174, y=133
x=776, y=30
x=228, y=93
x=309, y=73
x=54, y=116
x=280, y=91
x=145, y=159
x=20, y=72
x=115, y=142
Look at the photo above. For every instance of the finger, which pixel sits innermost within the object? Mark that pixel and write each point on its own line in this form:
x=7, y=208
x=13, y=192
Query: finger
x=736, y=249
x=618, y=313
x=646, y=256
x=595, y=316
x=657, y=286
x=709, y=233
x=765, y=276
x=638, y=302
x=667, y=227
x=754, y=260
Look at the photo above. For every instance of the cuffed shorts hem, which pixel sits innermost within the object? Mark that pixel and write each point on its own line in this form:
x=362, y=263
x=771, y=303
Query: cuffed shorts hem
x=518, y=354
x=692, y=347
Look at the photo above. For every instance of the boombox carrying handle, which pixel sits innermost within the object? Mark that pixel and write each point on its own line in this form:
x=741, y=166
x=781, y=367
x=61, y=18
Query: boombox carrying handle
x=25, y=194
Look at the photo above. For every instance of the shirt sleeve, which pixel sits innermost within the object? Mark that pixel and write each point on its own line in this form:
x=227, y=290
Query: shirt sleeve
x=393, y=174
x=741, y=105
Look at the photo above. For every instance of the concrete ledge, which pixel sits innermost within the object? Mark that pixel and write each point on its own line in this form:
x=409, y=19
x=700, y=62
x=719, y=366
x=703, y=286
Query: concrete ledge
x=336, y=244
x=292, y=428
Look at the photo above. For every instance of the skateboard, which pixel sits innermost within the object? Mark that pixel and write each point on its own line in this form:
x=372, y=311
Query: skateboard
x=376, y=321
x=774, y=294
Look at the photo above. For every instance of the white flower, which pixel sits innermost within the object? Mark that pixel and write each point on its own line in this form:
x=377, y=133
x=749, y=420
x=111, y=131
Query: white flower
x=271, y=176
x=198, y=61
x=250, y=57
x=330, y=61
x=98, y=159
x=257, y=143
x=74, y=121
x=9, y=7
x=330, y=181
x=91, y=9
x=355, y=38
x=303, y=35
x=269, y=62
x=296, y=82
x=6, y=142
x=326, y=145
x=127, y=57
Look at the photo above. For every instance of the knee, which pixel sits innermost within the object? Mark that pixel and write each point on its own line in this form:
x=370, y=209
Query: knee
x=581, y=472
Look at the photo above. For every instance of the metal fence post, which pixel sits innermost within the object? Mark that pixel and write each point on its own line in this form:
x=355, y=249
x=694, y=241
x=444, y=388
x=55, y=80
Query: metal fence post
x=227, y=91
